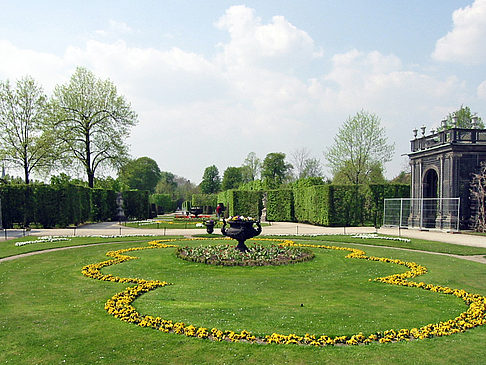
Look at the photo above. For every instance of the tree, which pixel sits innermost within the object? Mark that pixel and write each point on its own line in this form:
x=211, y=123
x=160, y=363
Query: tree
x=142, y=174
x=211, y=182
x=464, y=119
x=166, y=183
x=251, y=167
x=298, y=159
x=275, y=170
x=478, y=193
x=359, y=148
x=25, y=140
x=305, y=166
x=232, y=178
x=92, y=121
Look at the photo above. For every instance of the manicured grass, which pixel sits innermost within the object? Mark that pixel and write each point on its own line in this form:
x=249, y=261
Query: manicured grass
x=49, y=312
x=414, y=244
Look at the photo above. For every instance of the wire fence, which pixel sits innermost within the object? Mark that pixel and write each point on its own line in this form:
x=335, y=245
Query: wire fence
x=422, y=213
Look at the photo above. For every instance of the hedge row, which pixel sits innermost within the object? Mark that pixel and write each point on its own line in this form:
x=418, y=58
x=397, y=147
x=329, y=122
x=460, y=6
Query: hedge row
x=240, y=202
x=163, y=203
x=61, y=206
x=326, y=205
x=206, y=201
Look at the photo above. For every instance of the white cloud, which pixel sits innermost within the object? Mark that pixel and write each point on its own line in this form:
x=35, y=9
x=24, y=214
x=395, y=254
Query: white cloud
x=46, y=68
x=482, y=91
x=278, y=43
x=465, y=43
x=114, y=29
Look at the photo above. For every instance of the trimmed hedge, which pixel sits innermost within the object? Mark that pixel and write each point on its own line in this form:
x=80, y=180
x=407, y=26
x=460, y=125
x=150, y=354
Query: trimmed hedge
x=64, y=205
x=280, y=205
x=136, y=204
x=325, y=205
x=163, y=203
x=240, y=202
x=207, y=201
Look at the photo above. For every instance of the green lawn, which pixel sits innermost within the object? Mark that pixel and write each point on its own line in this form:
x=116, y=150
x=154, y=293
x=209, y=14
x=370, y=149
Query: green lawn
x=51, y=313
x=414, y=244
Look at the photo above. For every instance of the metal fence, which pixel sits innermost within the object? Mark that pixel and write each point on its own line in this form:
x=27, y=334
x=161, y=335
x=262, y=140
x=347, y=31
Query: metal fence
x=422, y=213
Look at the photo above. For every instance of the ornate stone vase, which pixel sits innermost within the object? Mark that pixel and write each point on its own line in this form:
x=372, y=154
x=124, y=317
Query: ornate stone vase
x=241, y=230
x=209, y=226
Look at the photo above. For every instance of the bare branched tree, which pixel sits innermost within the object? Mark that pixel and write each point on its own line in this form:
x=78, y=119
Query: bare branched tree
x=478, y=192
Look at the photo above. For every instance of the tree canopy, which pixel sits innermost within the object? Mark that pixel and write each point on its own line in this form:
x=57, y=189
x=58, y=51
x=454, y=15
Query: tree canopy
x=251, y=167
x=142, y=174
x=360, y=149
x=275, y=170
x=25, y=140
x=463, y=118
x=232, y=178
x=211, y=182
x=92, y=121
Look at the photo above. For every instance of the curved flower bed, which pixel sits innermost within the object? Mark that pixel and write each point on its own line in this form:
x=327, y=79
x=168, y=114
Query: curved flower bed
x=120, y=305
x=257, y=255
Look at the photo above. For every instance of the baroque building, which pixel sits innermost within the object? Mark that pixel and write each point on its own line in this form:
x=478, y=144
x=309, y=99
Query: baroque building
x=442, y=164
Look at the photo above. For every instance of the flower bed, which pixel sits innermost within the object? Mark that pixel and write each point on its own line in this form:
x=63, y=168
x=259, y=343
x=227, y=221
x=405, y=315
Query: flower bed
x=257, y=255
x=120, y=305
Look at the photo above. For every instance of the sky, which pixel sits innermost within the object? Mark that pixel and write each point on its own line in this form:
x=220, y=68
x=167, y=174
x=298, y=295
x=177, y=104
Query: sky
x=212, y=81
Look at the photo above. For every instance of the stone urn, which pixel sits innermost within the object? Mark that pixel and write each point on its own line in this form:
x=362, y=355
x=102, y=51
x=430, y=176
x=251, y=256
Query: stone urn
x=209, y=226
x=241, y=229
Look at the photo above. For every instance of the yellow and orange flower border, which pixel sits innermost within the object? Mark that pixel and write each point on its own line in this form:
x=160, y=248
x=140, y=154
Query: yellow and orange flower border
x=120, y=305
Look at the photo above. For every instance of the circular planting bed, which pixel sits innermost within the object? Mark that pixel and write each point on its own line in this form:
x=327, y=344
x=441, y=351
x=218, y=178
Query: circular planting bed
x=257, y=255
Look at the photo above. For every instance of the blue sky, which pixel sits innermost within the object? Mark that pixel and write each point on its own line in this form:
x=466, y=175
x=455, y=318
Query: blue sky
x=212, y=81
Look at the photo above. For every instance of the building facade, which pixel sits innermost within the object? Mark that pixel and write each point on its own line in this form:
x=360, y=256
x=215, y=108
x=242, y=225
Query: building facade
x=442, y=165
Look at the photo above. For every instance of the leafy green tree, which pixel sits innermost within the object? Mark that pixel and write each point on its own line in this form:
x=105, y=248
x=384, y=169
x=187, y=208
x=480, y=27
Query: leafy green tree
x=142, y=174
x=166, y=184
x=232, y=178
x=275, y=170
x=64, y=179
x=359, y=149
x=308, y=181
x=404, y=177
x=109, y=183
x=92, y=121
x=25, y=139
x=464, y=119
x=211, y=182
x=251, y=167
x=185, y=189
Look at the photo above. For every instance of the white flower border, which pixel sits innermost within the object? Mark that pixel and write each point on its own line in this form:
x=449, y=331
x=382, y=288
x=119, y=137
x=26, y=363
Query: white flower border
x=44, y=239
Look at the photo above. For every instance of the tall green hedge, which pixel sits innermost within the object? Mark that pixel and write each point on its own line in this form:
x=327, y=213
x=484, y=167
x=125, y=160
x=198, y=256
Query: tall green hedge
x=163, y=202
x=280, y=205
x=64, y=205
x=242, y=202
x=207, y=201
x=325, y=205
x=311, y=204
x=136, y=204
